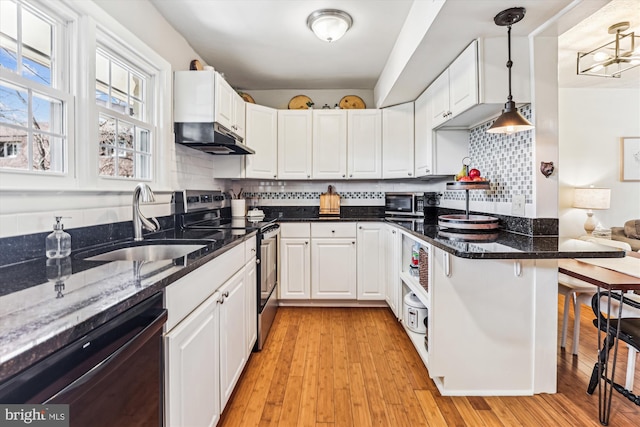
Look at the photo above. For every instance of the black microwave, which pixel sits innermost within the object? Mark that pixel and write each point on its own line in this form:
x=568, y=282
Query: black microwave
x=404, y=204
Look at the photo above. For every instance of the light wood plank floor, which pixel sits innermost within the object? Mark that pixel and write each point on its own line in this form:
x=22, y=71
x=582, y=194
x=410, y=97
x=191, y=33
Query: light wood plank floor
x=356, y=367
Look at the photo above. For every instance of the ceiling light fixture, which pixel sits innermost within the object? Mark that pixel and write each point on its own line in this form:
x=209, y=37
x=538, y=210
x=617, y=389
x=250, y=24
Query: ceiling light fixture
x=510, y=121
x=611, y=59
x=329, y=24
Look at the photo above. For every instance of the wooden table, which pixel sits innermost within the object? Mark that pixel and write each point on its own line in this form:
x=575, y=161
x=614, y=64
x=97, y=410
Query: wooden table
x=610, y=280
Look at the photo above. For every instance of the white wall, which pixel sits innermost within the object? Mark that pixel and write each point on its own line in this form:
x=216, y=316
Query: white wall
x=591, y=124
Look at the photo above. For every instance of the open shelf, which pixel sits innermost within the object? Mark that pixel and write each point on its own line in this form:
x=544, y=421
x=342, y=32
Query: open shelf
x=418, y=342
x=413, y=284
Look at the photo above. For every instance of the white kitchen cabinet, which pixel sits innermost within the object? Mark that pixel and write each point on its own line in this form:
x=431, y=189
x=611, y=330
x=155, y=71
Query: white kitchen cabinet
x=333, y=261
x=329, y=144
x=192, y=392
x=229, y=107
x=251, y=294
x=233, y=341
x=371, y=261
x=456, y=89
x=294, y=144
x=295, y=261
x=364, y=144
x=262, y=137
x=437, y=152
x=392, y=269
x=397, y=141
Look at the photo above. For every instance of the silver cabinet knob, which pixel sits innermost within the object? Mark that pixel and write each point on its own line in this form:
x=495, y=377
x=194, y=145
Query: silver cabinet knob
x=353, y=243
x=308, y=176
x=350, y=175
x=344, y=176
x=306, y=243
x=393, y=231
x=275, y=176
x=257, y=261
x=333, y=231
x=360, y=227
x=409, y=173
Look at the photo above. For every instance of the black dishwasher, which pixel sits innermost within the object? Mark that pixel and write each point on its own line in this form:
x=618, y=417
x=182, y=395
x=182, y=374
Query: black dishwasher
x=110, y=377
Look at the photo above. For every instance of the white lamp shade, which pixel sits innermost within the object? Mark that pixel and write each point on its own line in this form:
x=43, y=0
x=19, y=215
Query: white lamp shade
x=329, y=25
x=592, y=198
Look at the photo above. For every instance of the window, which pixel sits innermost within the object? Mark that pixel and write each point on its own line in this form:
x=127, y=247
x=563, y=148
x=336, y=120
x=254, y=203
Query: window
x=9, y=149
x=34, y=98
x=124, y=120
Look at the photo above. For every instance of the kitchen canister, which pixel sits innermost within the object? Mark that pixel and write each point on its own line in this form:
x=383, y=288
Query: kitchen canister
x=238, y=208
x=415, y=314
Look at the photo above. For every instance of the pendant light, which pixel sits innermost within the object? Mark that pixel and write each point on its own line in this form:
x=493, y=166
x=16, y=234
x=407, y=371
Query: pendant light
x=510, y=121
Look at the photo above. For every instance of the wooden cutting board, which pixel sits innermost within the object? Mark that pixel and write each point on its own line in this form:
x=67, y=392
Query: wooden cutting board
x=330, y=202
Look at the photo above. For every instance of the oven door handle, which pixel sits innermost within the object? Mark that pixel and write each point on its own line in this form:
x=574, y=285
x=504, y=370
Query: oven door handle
x=272, y=232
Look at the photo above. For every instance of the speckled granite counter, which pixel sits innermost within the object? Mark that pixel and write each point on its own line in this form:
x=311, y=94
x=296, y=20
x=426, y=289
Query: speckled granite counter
x=37, y=317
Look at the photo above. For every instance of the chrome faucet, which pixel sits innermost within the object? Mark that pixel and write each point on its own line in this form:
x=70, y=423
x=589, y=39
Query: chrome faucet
x=143, y=194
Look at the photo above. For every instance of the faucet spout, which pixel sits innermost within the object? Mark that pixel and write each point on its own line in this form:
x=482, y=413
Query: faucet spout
x=142, y=193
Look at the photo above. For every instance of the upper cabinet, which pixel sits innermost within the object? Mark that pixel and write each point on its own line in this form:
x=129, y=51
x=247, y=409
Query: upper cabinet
x=329, y=144
x=229, y=107
x=294, y=144
x=262, y=137
x=397, y=141
x=474, y=87
x=364, y=144
x=456, y=89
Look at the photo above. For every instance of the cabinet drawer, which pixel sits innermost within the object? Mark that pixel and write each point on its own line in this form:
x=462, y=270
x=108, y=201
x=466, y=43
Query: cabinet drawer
x=334, y=229
x=249, y=249
x=295, y=229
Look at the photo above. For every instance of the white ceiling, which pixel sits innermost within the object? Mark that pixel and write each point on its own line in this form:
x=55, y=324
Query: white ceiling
x=265, y=44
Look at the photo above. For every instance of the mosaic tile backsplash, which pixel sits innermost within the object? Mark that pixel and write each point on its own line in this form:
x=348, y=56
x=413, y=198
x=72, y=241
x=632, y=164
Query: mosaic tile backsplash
x=314, y=195
x=506, y=160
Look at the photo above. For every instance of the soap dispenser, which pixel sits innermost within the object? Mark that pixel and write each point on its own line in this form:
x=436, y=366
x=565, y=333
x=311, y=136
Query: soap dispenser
x=58, y=243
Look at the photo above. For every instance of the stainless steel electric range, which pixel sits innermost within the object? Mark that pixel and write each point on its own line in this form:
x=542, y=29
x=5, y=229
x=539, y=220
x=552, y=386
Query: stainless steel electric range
x=203, y=212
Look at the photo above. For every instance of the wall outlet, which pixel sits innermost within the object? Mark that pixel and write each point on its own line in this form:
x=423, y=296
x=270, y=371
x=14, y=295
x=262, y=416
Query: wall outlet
x=517, y=205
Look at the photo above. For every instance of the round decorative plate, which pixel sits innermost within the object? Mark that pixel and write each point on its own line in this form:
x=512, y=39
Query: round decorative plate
x=300, y=102
x=247, y=97
x=352, y=102
x=195, y=65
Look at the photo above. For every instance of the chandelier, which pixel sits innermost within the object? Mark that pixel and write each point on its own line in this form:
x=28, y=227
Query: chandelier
x=613, y=58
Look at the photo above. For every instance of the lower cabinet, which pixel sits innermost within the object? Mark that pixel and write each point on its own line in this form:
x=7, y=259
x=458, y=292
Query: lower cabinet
x=192, y=382
x=371, y=261
x=295, y=268
x=392, y=285
x=233, y=340
x=333, y=268
x=210, y=332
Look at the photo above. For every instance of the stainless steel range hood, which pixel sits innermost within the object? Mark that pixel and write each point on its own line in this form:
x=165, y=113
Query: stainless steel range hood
x=210, y=137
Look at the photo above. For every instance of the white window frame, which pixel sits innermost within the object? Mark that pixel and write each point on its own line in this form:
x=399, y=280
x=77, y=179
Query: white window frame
x=65, y=21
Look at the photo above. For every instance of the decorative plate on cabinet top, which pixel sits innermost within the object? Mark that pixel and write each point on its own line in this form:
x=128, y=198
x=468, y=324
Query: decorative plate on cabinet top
x=352, y=102
x=247, y=97
x=300, y=102
x=195, y=65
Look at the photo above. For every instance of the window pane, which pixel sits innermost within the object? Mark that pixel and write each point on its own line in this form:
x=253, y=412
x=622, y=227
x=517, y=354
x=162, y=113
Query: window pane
x=13, y=105
x=41, y=150
x=8, y=53
x=9, y=19
x=136, y=110
x=137, y=89
x=37, y=71
x=125, y=164
x=102, y=69
x=13, y=148
x=143, y=166
x=47, y=114
x=143, y=140
x=101, y=97
x=56, y=154
x=106, y=165
x=36, y=33
x=119, y=81
x=125, y=135
x=106, y=130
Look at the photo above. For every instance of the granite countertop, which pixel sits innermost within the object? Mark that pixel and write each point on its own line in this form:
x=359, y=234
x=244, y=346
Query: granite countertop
x=39, y=316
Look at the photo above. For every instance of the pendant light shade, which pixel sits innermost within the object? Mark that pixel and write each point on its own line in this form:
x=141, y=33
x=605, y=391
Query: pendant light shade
x=510, y=121
x=329, y=24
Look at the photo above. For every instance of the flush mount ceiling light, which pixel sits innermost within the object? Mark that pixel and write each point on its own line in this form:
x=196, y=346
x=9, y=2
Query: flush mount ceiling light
x=329, y=24
x=510, y=121
x=611, y=59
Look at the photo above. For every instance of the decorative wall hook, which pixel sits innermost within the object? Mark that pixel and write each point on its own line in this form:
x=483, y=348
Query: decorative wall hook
x=546, y=168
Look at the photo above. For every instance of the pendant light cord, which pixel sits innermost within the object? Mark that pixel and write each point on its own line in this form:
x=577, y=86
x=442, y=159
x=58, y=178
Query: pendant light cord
x=509, y=62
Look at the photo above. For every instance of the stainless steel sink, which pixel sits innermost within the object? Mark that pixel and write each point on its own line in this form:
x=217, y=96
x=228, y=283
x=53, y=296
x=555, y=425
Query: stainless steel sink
x=145, y=250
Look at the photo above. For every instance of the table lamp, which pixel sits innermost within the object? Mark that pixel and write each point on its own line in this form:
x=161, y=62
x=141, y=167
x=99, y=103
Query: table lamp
x=591, y=198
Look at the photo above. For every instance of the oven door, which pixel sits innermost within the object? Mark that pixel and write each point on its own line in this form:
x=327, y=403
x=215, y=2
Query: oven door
x=268, y=264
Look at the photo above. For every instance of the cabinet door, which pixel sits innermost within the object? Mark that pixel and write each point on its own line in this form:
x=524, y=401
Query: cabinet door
x=371, y=261
x=423, y=126
x=239, y=116
x=463, y=80
x=294, y=144
x=439, y=94
x=392, y=270
x=295, y=268
x=224, y=108
x=329, y=144
x=252, y=303
x=233, y=329
x=397, y=141
x=333, y=268
x=192, y=383
x=364, y=144
x=262, y=136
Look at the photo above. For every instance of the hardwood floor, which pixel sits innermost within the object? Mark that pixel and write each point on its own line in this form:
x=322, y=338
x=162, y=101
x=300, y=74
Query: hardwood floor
x=356, y=367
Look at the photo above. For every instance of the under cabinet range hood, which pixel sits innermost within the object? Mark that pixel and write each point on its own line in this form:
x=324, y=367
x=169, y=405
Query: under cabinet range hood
x=212, y=138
